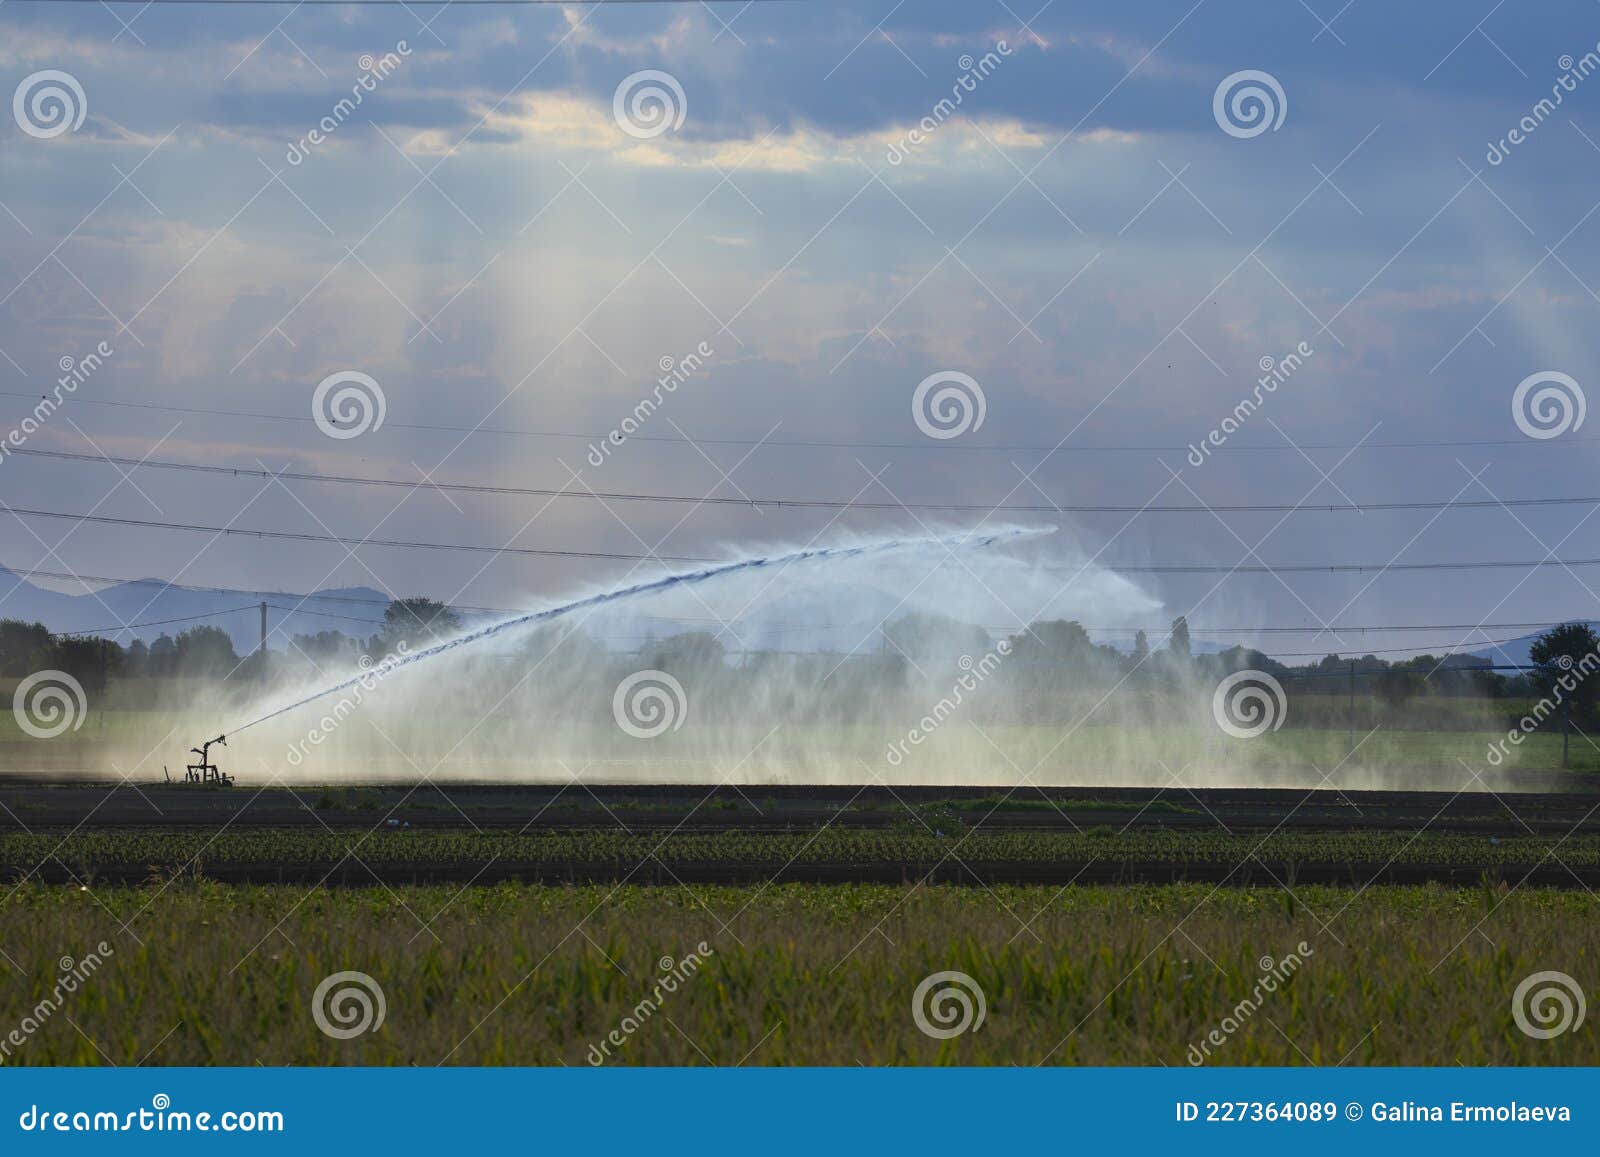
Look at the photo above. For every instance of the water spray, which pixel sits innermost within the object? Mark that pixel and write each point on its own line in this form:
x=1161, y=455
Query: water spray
x=950, y=542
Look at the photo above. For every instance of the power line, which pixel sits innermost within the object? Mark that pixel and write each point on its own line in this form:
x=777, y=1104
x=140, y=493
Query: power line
x=1177, y=568
x=207, y=615
x=1449, y=649
x=1343, y=568
x=323, y=614
x=306, y=536
x=1158, y=631
x=780, y=626
x=1454, y=649
x=372, y=3
x=151, y=623
x=1335, y=629
x=33, y=572
x=957, y=444
x=804, y=503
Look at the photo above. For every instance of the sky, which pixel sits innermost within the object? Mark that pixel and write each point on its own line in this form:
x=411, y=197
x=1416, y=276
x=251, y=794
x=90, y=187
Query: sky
x=1094, y=240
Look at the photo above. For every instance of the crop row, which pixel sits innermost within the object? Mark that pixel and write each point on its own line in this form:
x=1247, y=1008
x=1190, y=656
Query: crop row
x=143, y=847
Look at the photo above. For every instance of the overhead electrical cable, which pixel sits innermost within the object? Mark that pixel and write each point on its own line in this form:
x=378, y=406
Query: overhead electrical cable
x=154, y=622
x=624, y=556
x=345, y=540
x=777, y=626
x=955, y=444
x=797, y=502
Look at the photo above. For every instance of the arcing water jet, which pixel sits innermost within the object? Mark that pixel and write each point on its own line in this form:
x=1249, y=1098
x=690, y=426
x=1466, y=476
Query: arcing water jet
x=656, y=586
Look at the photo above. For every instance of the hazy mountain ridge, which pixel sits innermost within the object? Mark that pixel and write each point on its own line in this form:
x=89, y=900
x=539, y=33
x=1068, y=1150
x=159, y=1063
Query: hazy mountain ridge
x=1514, y=652
x=144, y=601
x=803, y=621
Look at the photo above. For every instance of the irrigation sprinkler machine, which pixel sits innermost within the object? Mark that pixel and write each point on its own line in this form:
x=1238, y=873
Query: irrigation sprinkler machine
x=203, y=772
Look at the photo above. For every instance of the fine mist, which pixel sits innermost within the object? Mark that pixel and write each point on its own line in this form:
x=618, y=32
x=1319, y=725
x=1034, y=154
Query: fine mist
x=954, y=659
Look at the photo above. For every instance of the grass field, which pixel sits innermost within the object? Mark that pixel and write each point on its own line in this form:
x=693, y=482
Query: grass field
x=796, y=974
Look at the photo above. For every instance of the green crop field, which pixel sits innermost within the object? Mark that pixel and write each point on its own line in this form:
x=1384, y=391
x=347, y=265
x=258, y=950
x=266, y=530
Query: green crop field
x=915, y=848
x=790, y=974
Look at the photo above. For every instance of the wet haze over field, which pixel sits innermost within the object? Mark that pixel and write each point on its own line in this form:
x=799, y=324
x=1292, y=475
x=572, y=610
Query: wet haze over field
x=858, y=663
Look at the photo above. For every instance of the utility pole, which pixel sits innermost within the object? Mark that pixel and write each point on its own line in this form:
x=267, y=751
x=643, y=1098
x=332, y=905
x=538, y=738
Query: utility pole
x=262, y=650
x=1352, y=706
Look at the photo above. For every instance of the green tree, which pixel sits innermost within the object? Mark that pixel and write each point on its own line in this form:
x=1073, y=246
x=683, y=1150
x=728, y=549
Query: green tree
x=694, y=650
x=1054, y=650
x=204, y=651
x=324, y=646
x=1397, y=686
x=23, y=647
x=1179, y=643
x=89, y=660
x=417, y=622
x=1566, y=663
x=933, y=641
x=1239, y=658
x=559, y=646
x=163, y=657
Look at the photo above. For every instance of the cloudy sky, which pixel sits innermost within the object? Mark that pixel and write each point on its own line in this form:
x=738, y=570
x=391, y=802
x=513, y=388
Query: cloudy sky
x=510, y=246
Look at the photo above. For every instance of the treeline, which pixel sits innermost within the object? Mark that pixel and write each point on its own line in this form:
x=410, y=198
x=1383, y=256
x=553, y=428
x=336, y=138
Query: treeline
x=1049, y=658
x=206, y=652
x=1050, y=652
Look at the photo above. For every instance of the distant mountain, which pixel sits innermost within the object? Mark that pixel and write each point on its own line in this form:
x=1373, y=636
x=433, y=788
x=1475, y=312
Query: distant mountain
x=1515, y=652
x=839, y=617
x=829, y=617
x=147, y=601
